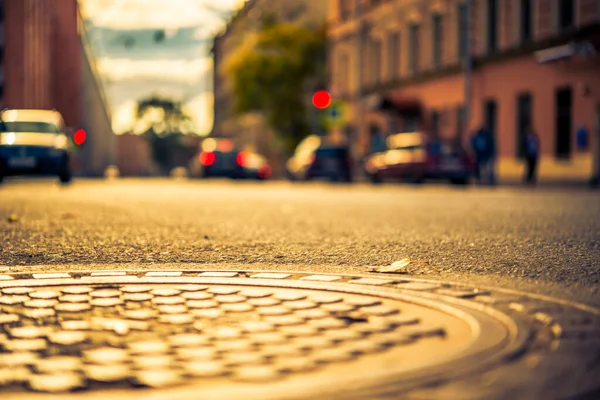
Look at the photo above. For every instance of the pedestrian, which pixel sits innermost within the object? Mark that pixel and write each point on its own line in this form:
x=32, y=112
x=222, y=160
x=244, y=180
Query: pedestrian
x=478, y=145
x=532, y=152
x=377, y=140
x=483, y=146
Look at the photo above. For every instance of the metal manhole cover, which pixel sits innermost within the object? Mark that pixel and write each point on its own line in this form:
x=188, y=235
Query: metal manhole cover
x=191, y=334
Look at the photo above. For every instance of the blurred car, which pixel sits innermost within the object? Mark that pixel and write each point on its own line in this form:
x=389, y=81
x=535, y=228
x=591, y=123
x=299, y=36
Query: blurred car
x=219, y=158
x=314, y=158
x=255, y=166
x=297, y=166
x=34, y=142
x=415, y=158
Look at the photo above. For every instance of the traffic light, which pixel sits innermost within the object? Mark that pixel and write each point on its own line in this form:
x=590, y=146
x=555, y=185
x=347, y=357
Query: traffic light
x=321, y=99
x=79, y=137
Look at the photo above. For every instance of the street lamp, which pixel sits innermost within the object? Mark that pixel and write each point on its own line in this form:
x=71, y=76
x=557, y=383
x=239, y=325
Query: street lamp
x=359, y=72
x=468, y=68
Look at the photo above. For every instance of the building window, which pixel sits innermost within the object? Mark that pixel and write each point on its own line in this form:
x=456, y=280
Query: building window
x=414, y=44
x=463, y=30
x=374, y=56
x=393, y=55
x=490, y=116
x=345, y=9
x=460, y=121
x=524, y=117
x=526, y=31
x=437, y=37
x=377, y=61
x=563, y=103
x=566, y=14
x=492, y=25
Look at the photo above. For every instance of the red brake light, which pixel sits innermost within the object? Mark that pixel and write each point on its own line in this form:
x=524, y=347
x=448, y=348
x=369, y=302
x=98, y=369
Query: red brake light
x=207, y=158
x=241, y=158
x=79, y=137
x=264, y=172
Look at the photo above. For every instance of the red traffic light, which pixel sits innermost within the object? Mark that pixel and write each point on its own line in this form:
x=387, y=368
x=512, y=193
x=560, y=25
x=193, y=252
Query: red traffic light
x=321, y=99
x=79, y=137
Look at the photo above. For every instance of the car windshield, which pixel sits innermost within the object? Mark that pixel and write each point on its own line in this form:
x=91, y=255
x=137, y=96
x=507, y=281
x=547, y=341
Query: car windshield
x=27, y=126
x=330, y=152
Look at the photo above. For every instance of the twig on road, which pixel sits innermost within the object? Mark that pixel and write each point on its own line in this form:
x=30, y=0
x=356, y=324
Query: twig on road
x=402, y=266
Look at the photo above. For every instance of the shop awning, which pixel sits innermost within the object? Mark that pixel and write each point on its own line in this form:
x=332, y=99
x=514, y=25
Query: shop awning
x=396, y=103
x=565, y=51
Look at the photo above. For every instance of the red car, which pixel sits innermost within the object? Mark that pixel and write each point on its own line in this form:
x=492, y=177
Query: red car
x=415, y=158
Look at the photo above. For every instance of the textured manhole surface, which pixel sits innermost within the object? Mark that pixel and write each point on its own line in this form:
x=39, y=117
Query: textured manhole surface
x=192, y=334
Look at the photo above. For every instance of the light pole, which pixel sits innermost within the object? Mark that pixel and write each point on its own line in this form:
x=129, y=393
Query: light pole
x=359, y=73
x=468, y=68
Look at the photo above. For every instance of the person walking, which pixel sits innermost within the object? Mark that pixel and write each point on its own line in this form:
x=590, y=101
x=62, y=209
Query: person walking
x=532, y=152
x=483, y=147
x=478, y=145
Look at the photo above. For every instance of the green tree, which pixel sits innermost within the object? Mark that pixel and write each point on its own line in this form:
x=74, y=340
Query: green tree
x=274, y=72
x=165, y=124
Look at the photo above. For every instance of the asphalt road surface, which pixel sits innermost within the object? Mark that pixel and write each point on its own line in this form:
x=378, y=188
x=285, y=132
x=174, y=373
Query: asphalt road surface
x=546, y=241
x=110, y=286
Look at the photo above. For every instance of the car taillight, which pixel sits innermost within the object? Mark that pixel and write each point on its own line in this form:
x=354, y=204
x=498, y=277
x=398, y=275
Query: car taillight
x=264, y=172
x=207, y=158
x=241, y=159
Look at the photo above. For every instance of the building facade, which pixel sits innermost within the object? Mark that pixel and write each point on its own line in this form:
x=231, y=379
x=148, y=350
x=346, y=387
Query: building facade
x=250, y=130
x=46, y=63
x=533, y=62
x=44, y=67
x=2, y=53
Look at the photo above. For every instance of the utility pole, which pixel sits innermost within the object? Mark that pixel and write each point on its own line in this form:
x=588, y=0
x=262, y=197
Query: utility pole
x=468, y=68
x=595, y=182
x=359, y=72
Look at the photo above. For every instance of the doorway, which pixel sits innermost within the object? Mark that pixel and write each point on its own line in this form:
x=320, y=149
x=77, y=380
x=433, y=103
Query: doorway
x=490, y=115
x=524, y=110
x=563, y=101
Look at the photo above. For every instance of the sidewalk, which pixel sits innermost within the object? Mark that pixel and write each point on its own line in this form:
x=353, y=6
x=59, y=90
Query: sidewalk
x=551, y=184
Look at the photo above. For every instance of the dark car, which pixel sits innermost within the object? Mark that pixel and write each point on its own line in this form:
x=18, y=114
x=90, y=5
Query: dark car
x=34, y=142
x=332, y=163
x=255, y=166
x=415, y=158
x=317, y=159
x=219, y=158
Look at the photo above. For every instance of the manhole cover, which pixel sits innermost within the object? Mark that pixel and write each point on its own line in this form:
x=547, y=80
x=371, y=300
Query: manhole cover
x=240, y=334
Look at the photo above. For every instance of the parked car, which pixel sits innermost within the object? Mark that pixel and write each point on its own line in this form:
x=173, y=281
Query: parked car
x=220, y=158
x=255, y=166
x=34, y=142
x=297, y=166
x=314, y=158
x=415, y=158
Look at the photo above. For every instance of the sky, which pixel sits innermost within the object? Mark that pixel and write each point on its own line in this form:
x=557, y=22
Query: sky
x=133, y=65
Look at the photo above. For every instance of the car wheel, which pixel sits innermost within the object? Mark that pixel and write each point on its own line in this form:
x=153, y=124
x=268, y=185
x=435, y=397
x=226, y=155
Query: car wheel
x=416, y=180
x=459, y=181
x=65, y=177
x=2, y=172
x=375, y=178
